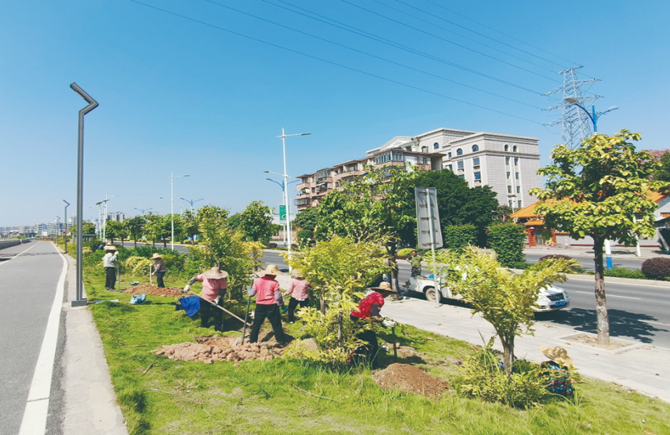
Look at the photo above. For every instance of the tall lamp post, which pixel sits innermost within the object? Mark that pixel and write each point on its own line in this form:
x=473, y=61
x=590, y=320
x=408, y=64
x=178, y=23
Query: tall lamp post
x=66, y=206
x=92, y=104
x=192, y=201
x=172, y=177
x=282, y=196
x=285, y=176
x=594, y=117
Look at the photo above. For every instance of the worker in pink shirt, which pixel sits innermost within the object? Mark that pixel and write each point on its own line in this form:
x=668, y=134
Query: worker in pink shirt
x=214, y=286
x=268, y=301
x=299, y=291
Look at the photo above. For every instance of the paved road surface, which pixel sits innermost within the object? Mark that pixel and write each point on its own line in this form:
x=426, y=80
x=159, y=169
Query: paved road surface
x=27, y=290
x=637, y=311
x=630, y=262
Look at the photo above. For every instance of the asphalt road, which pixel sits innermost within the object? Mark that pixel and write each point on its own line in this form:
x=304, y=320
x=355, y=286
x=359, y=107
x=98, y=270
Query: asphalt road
x=640, y=312
x=630, y=262
x=27, y=289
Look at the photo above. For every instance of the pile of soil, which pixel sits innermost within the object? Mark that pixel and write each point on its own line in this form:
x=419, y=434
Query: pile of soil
x=210, y=349
x=591, y=340
x=410, y=379
x=148, y=289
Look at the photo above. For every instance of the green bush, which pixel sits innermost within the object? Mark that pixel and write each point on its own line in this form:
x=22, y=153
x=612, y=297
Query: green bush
x=622, y=272
x=508, y=241
x=483, y=376
x=457, y=237
x=305, y=238
x=405, y=252
x=656, y=268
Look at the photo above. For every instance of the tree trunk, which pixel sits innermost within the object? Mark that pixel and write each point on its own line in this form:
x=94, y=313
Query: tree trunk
x=153, y=243
x=508, y=354
x=323, y=306
x=134, y=243
x=164, y=243
x=339, y=330
x=603, y=321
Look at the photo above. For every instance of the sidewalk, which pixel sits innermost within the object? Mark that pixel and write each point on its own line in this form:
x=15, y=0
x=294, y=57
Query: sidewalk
x=89, y=399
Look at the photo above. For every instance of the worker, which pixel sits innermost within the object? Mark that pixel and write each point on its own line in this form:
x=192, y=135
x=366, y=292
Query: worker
x=109, y=263
x=159, y=269
x=299, y=291
x=369, y=309
x=214, y=287
x=268, y=301
x=415, y=261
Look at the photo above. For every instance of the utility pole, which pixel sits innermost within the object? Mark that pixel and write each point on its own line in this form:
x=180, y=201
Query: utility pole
x=66, y=206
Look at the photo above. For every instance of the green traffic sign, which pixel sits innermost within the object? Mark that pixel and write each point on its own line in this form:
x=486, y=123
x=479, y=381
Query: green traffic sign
x=282, y=213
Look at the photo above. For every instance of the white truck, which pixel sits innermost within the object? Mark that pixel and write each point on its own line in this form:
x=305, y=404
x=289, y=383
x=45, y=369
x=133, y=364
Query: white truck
x=549, y=299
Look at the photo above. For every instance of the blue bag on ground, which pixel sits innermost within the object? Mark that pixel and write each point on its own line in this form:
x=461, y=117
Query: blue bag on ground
x=138, y=299
x=191, y=305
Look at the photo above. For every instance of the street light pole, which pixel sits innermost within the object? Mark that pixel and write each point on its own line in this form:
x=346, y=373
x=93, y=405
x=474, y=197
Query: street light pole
x=282, y=197
x=68, y=204
x=172, y=177
x=192, y=201
x=143, y=210
x=92, y=104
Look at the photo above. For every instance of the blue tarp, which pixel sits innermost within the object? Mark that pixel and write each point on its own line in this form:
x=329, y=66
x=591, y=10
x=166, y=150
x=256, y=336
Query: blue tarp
x=190, y=305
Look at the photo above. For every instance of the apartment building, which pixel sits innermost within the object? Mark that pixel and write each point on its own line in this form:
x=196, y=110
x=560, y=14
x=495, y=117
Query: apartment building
x=506, y=163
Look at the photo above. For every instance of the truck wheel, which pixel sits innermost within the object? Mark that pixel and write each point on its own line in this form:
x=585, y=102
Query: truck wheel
x=431, y=294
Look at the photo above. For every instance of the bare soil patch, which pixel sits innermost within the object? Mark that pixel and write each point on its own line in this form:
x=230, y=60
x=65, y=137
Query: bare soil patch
x=212, y=348
x=148, y=289
x=593, y=341
x=410, y=379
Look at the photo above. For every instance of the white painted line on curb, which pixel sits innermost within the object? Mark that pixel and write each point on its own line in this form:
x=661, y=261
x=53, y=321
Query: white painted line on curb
x=35, y=416
x=5, y=262
x=609, y=296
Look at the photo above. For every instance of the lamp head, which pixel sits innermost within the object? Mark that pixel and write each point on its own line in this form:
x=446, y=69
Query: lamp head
x=571, y=100
x=267, y=172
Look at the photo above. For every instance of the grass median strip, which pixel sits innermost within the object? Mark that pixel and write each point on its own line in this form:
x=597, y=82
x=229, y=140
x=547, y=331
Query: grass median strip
x=284, y=396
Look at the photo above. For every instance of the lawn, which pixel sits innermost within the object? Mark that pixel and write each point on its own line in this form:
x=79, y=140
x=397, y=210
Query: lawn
x=265, y=397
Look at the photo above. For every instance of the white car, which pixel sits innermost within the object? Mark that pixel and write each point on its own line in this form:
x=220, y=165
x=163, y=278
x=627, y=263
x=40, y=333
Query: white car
x=549, y=299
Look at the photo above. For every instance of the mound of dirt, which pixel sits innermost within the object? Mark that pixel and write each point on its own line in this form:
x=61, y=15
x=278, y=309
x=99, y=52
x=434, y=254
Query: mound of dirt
x=210, y=349
x=148, y=289
x=410, y=379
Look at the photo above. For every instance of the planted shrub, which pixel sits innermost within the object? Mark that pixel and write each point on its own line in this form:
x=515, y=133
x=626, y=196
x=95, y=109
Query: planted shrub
x=457, y=237
x=405, y=252
x=508, y=241
x=622, y=272
x=656, y=268
x=555, y=256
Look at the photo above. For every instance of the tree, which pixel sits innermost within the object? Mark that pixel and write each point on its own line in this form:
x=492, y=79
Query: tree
x=152, y=227
x=135, y=227
x=113, y=230
x=190, y=224
x=508, y=240
x=503, y=298
x=601, y=189
x=256, y=222
x=662, y=173
x=89, y=228
x=307, y=219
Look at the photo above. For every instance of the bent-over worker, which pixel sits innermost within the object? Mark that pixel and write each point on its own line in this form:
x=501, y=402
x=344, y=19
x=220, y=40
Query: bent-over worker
x=214, y=287
x=268, y=301
x=159, y=269
x=369, y=309
x=299, y=291
x=109, y=263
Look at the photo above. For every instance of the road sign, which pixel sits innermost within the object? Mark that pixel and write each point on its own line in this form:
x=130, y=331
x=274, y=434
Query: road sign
x=282, y=213
x=427, y=218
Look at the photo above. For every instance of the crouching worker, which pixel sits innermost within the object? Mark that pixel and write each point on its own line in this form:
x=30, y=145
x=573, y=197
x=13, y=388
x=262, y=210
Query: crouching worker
x=268, y=301
x=369, y=309
x=214, y=286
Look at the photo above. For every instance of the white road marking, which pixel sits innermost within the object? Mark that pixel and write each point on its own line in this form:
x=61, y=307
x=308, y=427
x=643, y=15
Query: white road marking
x=35, y=416
x=609, y=296
x=7, y=261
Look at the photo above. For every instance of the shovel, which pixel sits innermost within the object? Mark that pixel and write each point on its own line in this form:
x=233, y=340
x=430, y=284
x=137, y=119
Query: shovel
x=221, y=308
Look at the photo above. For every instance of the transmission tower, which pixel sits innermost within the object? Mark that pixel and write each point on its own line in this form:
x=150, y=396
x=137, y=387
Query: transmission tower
x=575, y=123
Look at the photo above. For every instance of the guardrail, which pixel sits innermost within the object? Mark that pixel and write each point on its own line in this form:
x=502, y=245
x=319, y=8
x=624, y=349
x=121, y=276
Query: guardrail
x=6, y=243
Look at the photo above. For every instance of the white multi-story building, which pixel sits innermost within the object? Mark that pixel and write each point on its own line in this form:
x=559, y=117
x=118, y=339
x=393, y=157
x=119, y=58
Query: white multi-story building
x=506, y=163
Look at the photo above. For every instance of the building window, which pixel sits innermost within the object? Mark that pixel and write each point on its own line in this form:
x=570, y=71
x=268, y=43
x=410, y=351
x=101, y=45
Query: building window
x=462, y=177
x=509, y=189
x=514, y=149
x=519, y=203
x=449, y=154
x=508, y=175
x=507, y=160
x=475, y=161
x=459, y=152
x=506, y=147
x=424, y=149
x=425, y=160
x=436, y=145
x=475, y=148
x=478, y=176
x=392, y=156
x=516, y=161
x=516, y=174
x=518, y=189
x=511, y=203
x=460, y=164
x=451, y=167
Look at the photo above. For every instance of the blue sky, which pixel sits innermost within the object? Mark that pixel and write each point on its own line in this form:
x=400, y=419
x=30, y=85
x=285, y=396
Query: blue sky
x=178, y=93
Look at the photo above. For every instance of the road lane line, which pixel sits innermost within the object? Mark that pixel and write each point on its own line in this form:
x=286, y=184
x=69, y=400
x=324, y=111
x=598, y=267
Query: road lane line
x=608, y=295
x=37, y=406
x=5, y=262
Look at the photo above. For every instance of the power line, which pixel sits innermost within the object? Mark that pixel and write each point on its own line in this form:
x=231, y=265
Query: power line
x=370, y=54
x=232, y=32
x=444, y=39
x=397, y=45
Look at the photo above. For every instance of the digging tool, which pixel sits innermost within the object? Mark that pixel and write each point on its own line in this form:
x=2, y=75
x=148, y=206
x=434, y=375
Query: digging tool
x=246, y=316
x=395, y=344
x=219, y=307
x=151, y=280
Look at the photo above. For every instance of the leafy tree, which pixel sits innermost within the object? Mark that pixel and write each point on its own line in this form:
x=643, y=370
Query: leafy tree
x=508, y=241
x=662, y=173
x=135, y=227
x=113, y=230
x=256, y=222
x=153, y=227
x=504, y=299
x=601, y=189
x=502, y=213
x=89, y=228
x=189, y=225
x=307, y=219
x=457, y=237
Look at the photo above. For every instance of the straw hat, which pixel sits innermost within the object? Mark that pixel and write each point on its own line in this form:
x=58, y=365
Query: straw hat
x=271, y=269
x=155, y=256
x=110, y=248
x=215, y=273
x=557, y=354
x=384, y=286
x=297, y=273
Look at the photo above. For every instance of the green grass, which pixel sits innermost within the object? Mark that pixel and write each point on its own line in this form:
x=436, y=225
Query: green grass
x=256, y=397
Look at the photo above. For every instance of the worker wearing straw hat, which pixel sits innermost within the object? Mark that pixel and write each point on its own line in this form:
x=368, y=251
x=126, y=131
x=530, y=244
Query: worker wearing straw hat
x=299, y=291
x=159, y=269
x=109, y=263
x=214, y=287
x=268, y=301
